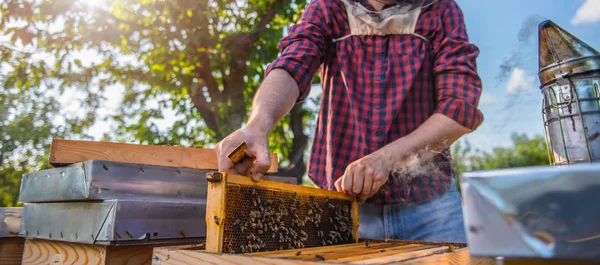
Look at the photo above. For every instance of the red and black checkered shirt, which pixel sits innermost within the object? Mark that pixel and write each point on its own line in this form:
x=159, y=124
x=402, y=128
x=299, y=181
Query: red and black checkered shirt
x=377, y=89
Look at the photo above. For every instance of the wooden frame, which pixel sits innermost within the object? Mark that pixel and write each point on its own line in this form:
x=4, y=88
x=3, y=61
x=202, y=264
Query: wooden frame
x=377, y=252
x=215, y=205
x=57, y=252
x=66, y=152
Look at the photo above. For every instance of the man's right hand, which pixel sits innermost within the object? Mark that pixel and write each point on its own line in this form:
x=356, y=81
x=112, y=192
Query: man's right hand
x=258, y=160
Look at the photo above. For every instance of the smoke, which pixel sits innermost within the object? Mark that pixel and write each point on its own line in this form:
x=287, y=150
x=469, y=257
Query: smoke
x=517, y=56
x=420, y=163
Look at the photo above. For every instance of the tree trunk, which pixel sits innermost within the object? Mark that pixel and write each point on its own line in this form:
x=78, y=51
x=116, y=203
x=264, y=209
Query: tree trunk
x=297, y=167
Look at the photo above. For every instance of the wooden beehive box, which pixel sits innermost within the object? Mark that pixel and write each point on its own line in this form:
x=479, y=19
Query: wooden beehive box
x=38, y=252
x=244, y=216
x=376, y=252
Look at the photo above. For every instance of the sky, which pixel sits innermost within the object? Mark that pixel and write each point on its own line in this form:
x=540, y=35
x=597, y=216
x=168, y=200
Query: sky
x=507, y=29
x=512, y=103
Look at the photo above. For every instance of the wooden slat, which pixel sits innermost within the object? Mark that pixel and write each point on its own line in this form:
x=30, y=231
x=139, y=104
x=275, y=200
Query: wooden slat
x=215, y=213
x=352, y=257
x=52, y=252
x=65, y=152
x=11, y=250
x=273, y=185
x=165, y=256
x=290, y=253
x=402, y=256
x=355, y=220
x=458, y=257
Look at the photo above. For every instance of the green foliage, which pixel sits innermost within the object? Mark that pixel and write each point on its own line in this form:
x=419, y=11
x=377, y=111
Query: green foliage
x=201, y=60
x=524, y=152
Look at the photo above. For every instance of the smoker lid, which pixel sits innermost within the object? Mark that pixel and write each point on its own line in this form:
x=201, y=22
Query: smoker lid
x=560, y=53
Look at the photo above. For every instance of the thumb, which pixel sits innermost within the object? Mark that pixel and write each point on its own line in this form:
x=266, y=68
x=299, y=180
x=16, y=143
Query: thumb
x=263, y=163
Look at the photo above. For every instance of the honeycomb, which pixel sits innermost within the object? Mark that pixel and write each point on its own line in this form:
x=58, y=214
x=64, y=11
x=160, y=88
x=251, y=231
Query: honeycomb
x=258, y=219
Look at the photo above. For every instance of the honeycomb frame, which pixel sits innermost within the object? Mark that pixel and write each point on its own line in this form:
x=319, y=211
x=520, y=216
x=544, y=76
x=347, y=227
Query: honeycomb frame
x=243, y=216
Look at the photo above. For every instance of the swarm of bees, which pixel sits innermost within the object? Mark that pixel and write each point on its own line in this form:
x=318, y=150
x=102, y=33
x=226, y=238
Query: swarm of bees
x=274, y=224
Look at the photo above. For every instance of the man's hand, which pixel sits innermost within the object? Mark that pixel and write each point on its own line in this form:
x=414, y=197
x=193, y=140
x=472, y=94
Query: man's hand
x=365, y=176
x=257, y=161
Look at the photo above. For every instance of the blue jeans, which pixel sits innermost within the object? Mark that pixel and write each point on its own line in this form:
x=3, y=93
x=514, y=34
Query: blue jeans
x=437, y=220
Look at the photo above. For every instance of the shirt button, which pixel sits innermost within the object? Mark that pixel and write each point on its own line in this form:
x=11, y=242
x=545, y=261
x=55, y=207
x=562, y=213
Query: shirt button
x=379, y=133
x=378, y=78
x=378, y=106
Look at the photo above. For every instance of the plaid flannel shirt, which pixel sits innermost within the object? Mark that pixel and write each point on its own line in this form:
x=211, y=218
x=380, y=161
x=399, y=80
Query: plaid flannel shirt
x=377, y=89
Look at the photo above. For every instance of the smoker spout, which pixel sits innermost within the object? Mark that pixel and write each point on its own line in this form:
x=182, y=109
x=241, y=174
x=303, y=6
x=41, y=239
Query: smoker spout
x=561, y=53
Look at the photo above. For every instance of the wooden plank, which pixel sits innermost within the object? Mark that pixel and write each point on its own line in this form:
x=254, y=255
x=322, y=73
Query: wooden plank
x=273, y=185
x=314, y=250
x=215, y=213
x=53, y=252
x=65, y=152
x=403, y=256
x=458, y=257
x=378, y=254
x=355, y=220
x=166, y=256
x=11, y=250
x=58, y=252
x=124, y=255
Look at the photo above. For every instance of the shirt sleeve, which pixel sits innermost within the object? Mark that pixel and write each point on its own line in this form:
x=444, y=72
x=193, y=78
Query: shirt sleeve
x=303, y=50
x=457, y=81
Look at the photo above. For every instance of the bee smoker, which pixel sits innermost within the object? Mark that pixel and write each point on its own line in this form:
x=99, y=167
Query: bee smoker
x=569, y=72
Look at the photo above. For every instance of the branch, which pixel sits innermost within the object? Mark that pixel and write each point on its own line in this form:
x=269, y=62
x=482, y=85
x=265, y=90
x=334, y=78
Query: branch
x=205, y=73
x=266, y=19
x=206, y=112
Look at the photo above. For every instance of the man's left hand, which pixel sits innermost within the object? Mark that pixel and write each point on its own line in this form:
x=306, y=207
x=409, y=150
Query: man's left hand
x=365, y=176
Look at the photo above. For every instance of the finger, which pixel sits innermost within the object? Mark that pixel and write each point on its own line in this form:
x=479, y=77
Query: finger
x=243, y=168
x=367, y=185
x=358, y=178
x=224, y=163
x=347, y=182
x=262, y=164
x=379, y=180
x=248, y=164
x=338, y=184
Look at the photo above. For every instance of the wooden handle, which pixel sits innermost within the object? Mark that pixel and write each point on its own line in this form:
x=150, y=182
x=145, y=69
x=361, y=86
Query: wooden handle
x=238, y=154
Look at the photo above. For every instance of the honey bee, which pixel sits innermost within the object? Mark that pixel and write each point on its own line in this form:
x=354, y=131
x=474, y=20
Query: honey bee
x=320, y=257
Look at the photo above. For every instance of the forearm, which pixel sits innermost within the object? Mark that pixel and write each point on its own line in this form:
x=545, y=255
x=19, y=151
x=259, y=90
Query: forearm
x=274, y=99
x=433, y=136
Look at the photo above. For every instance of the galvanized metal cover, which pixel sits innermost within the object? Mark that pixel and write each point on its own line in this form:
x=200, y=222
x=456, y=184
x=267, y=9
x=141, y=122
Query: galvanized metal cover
x=104, y=180
x=10, y=220
x=534, y=212
x=114, y=221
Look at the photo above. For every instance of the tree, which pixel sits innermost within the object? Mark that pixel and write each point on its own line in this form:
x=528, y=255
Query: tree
x=524, y=152
x=203, y=60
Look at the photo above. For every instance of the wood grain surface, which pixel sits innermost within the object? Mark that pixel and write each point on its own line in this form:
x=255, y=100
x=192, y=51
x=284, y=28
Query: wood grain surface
x=11, y=250
x=274, y=185
x=62, y=253
x=66, y=152
x=357, y=253
x=215, y=213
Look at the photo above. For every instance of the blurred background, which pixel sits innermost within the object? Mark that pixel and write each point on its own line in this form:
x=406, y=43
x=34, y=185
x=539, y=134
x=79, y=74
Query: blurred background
x=184, y=72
